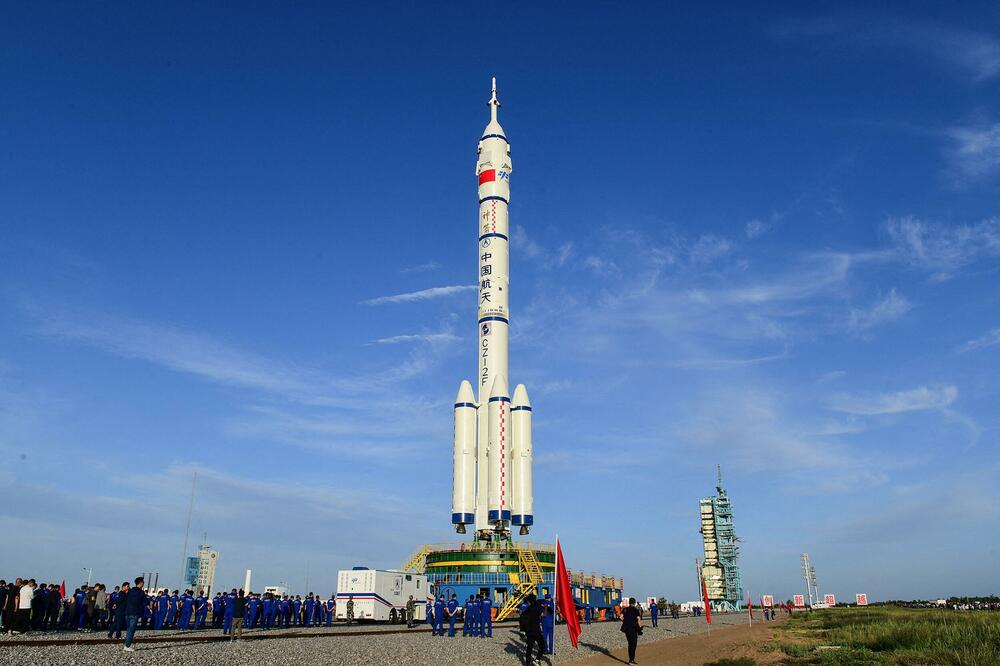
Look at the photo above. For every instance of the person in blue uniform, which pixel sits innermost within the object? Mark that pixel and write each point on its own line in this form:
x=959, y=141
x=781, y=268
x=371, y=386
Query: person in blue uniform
x=654, y=612
x=200, y=610
x=217, y=610
x=297, y=611
x=478, y=626
x=548, y=623
x=227, y=617
x=486, y=618
x=330, y=605
x=187, y=608
x=307, y=617
x=253, y=611
x=468, y=621
x=587, y=613
x=172, y=610
x=266, y=611
x=79, y=610
x=452, y=615
x=160, y=610
x=284, y=608
x=429, y=612
x=439, y=607
x=147, y=611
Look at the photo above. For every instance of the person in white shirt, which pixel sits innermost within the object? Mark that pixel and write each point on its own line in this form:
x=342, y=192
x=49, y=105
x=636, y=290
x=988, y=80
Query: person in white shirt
x=24, y=597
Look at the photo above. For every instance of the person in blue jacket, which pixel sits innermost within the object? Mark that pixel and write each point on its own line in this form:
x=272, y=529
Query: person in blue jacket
x=548, y=623
x=253, y=611
x=429, y=612
x=439, y=607
x=217, y=604
x=308, y=615
x=654, y=613
x=227, y=619
x=162, y=602
x=467, y=618
x=171, y=621
x=79, y=610
x=486, y=618
x=187, y=609
x=283, y=610
x=452, y=613
x=200, y=610
x=330, y=607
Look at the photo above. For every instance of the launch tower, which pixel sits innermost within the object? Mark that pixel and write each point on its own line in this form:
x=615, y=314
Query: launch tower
x=720, y=569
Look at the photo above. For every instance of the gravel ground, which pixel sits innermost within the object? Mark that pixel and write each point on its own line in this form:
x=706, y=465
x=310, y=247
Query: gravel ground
x=416, y=649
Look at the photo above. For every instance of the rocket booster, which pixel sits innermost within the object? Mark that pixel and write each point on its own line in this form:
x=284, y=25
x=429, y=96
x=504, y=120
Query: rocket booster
x=495, y=432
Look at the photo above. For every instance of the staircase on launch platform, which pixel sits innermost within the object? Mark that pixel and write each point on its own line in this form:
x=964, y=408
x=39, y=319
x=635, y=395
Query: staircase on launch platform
x=418, y=560
x=529, y=577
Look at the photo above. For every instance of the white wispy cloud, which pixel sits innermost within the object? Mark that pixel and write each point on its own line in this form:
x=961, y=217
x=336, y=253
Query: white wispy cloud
x=887, y=309
x=976, y=52
x=709, y=247
x=431, y=338
x=989, y=340
x=918, y=399
x=177, y=349
x=755, y=228
x=943, y=249
x=422, y=268
x=422, y=295
x=974, y=153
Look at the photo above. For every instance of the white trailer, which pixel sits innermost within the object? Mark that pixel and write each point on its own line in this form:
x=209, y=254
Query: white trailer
x=380, y=595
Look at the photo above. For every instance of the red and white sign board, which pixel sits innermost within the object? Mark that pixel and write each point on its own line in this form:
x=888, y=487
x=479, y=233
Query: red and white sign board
x=830, y=600
x=799, y=600
x=861, y=599
x=767, y=600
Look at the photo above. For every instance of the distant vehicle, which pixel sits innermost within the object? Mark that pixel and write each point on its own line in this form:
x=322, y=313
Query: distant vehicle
x=380, y=595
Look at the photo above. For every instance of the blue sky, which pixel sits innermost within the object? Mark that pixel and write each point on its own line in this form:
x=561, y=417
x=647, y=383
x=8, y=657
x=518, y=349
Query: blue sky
x=242, y=243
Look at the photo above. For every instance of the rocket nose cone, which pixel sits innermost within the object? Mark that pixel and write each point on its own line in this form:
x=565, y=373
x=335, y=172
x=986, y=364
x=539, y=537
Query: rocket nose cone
x=520, y=397
x=499, y=388
x=465, y=393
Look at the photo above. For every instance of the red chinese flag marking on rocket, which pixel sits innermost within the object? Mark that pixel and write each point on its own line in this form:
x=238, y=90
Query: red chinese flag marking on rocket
x=564, y=597
x=487, y=176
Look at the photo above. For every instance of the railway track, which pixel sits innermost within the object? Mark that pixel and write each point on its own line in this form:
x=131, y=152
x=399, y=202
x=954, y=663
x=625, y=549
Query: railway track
x=217, y=638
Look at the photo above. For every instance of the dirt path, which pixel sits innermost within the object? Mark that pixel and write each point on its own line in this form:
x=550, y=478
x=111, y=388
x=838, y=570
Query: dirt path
x=697, y=649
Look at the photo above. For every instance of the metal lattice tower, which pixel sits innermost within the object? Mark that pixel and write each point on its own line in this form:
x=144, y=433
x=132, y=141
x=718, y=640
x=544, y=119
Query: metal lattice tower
x=729, y=550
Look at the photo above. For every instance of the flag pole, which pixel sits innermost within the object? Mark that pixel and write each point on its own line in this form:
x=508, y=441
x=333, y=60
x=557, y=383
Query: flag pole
x=555, y=598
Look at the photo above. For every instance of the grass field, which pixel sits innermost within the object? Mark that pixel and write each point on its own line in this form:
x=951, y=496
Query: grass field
x=884, y=635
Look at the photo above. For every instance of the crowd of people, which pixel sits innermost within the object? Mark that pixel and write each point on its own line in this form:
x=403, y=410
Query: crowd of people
x=26, y=606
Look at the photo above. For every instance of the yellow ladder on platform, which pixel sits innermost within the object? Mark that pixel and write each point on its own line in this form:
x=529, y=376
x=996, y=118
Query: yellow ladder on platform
x=528, y=579
x=418, y=560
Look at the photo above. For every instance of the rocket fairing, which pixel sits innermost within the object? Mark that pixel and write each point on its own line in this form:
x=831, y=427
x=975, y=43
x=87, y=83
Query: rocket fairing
x=502, y=481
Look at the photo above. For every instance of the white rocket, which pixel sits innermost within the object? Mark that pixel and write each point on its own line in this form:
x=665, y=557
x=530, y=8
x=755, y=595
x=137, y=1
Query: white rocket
x=492, y=463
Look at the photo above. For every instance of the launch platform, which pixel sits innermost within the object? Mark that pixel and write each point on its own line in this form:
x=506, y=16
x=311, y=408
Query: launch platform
x=507, y=573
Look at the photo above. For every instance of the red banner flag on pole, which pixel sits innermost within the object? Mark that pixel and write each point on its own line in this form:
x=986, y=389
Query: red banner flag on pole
x=62, y=590
x=564, y=597
x=704, y=596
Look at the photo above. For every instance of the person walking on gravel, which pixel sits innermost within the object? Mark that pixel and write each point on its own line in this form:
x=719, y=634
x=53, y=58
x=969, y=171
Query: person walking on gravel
x=632, y=627
x=135, y=602
x=411, y=610
x=116, y=622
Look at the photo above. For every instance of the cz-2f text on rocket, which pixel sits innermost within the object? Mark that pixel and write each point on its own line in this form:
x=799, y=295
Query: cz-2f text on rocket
x=492, y=464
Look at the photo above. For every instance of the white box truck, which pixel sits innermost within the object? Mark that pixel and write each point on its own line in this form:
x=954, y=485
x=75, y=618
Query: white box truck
x=381, y=595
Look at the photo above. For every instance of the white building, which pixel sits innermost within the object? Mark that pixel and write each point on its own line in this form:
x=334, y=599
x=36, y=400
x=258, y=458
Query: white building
x=207, y=561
